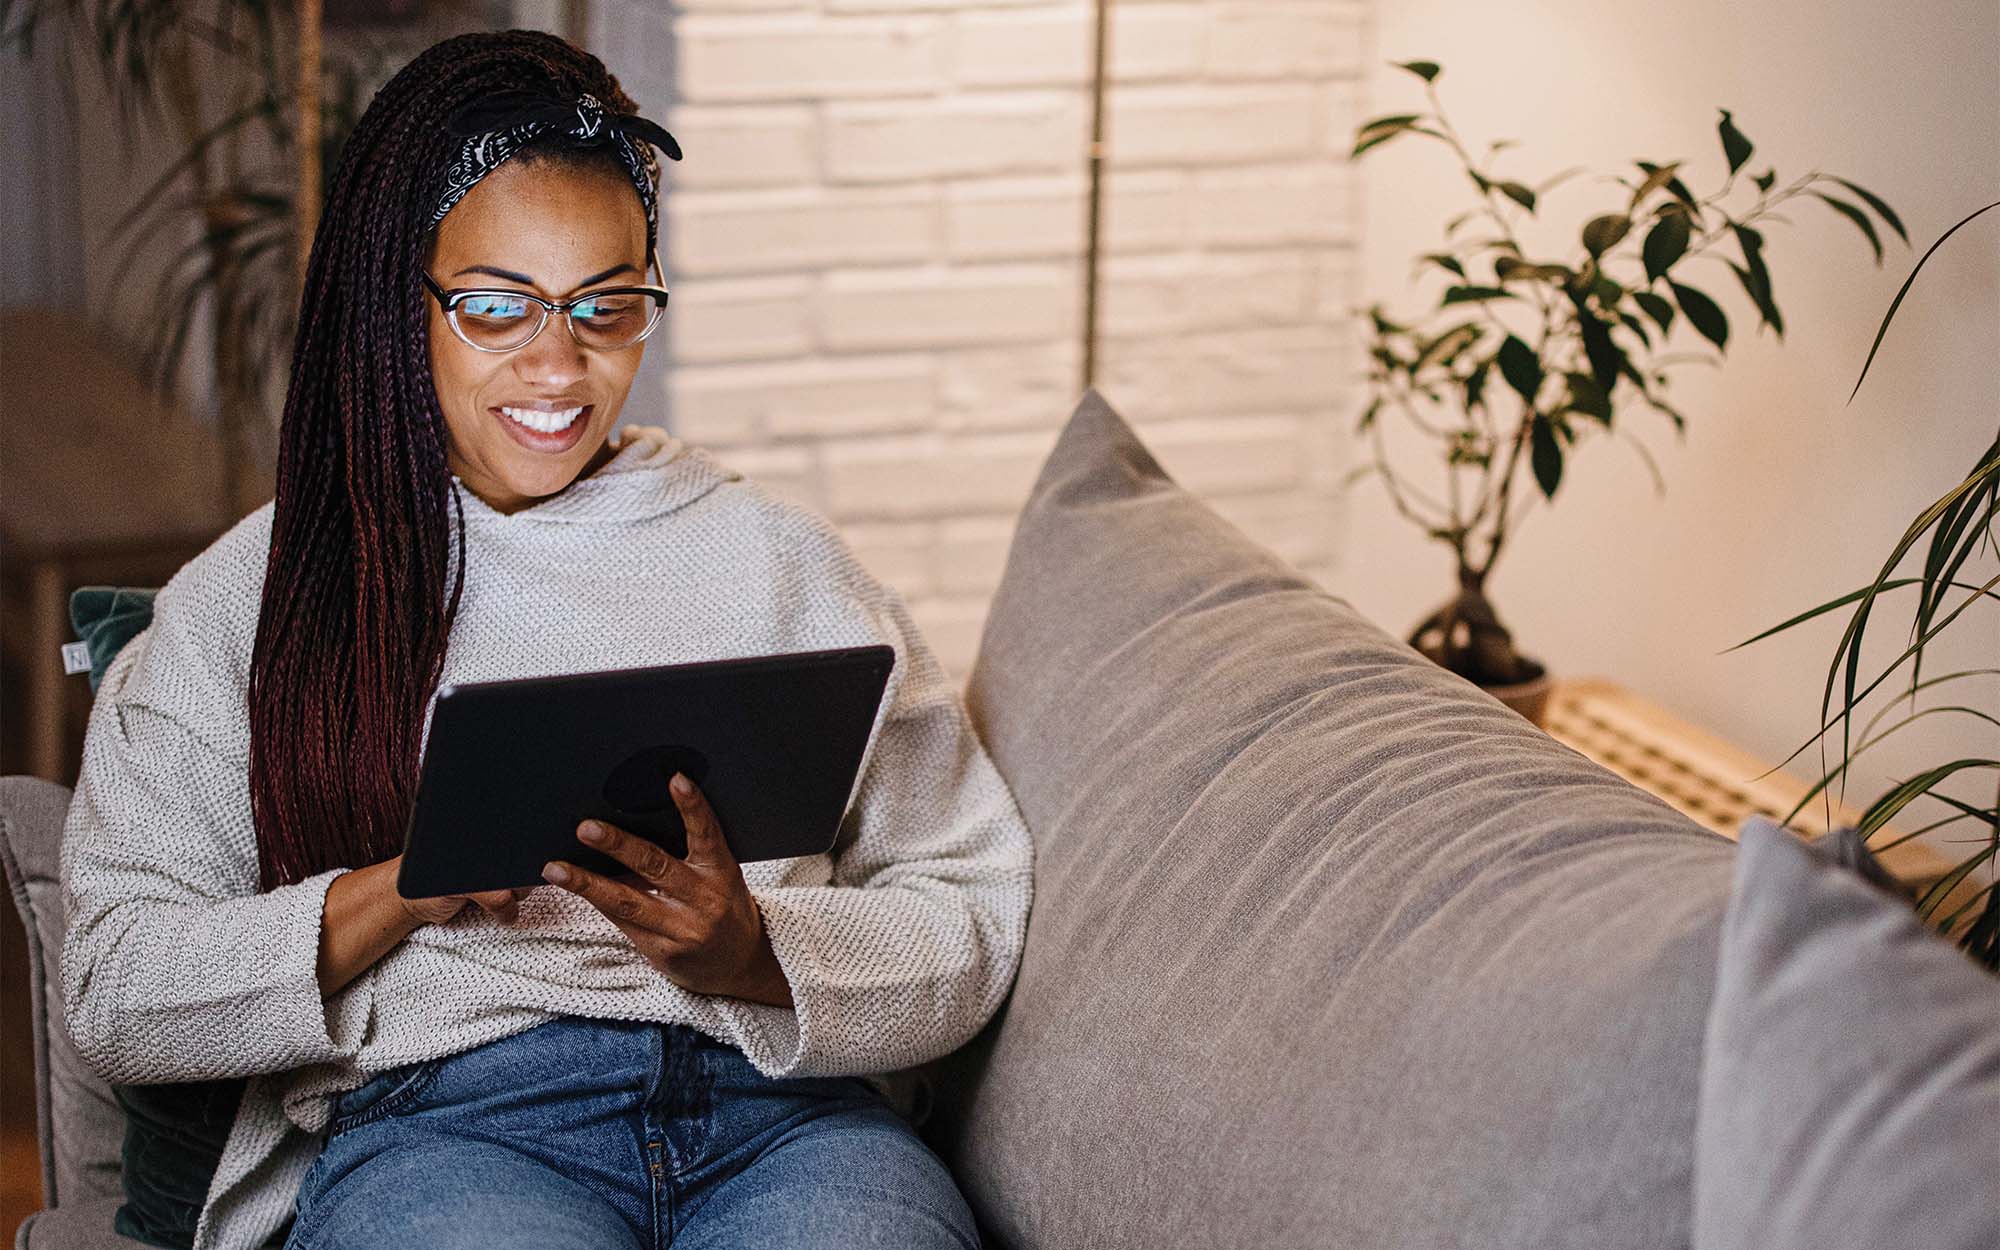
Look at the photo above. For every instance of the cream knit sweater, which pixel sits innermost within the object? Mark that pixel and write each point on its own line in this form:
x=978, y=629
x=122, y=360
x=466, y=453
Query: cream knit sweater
x=898, y=946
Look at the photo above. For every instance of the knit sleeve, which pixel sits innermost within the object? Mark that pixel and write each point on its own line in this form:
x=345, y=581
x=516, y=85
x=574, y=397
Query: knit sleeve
x=174, y=966
x=912, y=947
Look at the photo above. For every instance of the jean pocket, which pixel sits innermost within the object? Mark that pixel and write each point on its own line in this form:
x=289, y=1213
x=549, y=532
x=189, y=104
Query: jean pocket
x=388, y=1092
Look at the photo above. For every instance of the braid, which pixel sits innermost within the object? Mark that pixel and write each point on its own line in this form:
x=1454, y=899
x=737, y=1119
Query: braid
x=356, y=612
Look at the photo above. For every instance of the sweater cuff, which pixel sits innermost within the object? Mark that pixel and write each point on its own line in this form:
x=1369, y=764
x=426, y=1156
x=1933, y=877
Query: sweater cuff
x=270, y=991
x=881, y=978
x=774, y=1038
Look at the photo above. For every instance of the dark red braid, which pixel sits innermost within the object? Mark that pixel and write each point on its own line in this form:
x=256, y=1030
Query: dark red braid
x=356, y=613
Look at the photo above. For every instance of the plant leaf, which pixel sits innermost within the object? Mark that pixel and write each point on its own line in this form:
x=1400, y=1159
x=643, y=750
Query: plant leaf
x=1678, y=189
x=1521, y=195
x=1860, y=220
x=1445, y=260
x=1601, y=234
x=1521, y=367
x=1657, y=176
x=1766, y=179
x=1755, y=277
x=1835, y=604
x=1702, y=313
x=1605, y=356
x=1588, y=398
x=1657, y=308
x=1466, y=294
x=1875, y=202
x=1459, y=335
x=1883, y=329
x=1734, y=145
x=1426, y=70
x=1665, y=243
x=1545, y=455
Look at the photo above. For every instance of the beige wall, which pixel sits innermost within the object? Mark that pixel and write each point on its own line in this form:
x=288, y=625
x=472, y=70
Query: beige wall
x=1782, y=495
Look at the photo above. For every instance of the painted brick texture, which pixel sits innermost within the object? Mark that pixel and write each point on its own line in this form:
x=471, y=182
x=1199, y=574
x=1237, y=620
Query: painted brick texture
x=876, y=248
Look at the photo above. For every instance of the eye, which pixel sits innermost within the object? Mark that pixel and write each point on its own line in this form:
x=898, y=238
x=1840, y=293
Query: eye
x=609, y=310
x=493, y=307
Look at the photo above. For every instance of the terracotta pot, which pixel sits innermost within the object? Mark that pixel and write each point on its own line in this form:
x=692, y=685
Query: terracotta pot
x=1531, y=697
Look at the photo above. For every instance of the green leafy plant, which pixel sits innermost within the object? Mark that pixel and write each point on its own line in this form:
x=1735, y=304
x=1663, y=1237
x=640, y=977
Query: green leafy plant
x=1959, y=533
x=1526, y=355
x=221, y=76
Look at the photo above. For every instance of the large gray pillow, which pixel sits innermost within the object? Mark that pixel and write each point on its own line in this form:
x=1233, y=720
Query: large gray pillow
x=1329, y=948
x=1850, y=1091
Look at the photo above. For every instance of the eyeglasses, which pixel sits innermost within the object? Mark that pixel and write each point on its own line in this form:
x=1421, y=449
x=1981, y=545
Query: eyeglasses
x=502, y=320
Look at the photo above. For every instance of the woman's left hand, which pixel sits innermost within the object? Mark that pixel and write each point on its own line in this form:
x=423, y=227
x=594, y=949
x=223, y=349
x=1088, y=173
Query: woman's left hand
x=694, y=919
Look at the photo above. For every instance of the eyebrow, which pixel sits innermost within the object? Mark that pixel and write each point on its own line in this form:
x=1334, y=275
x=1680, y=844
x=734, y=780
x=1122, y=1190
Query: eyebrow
x=525, y=280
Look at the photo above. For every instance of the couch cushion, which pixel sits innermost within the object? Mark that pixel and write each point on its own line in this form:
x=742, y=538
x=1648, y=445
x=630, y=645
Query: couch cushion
x=84, y=1153
x=1328, y=946
x=1851, y=1083
x=106, y=618
x=76, y=1226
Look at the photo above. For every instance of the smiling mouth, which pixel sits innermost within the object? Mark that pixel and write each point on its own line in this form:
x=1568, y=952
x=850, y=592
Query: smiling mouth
x=545, y=422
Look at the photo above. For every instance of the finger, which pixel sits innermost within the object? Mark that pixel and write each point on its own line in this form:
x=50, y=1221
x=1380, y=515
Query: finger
x=706, y=845
x=644, y=858
x=622, y=904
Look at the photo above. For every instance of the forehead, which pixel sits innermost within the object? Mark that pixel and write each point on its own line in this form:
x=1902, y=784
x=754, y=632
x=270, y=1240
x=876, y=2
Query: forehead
x=546, y=219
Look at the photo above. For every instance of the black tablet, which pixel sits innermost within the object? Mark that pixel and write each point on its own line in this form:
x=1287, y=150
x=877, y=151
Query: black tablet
x=512, y=767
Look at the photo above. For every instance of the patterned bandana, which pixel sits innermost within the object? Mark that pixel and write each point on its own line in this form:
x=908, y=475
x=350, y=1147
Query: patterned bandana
x=495, y=127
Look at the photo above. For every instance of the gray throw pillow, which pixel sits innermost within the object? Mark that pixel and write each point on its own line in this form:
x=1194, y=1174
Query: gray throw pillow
x=1850, y=1092
x=1329, y=948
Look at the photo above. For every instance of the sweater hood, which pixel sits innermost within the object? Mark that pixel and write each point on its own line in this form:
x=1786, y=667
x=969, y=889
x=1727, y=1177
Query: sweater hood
x=653, y=472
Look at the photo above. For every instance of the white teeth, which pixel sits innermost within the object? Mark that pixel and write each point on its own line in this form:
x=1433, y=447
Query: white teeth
x=545, y=422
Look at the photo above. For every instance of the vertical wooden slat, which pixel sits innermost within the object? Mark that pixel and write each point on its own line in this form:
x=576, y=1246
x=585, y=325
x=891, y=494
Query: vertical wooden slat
x=307, y=206
x=1096, y=210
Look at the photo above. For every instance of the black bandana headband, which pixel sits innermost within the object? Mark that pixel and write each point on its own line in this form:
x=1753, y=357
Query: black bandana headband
x=495, y=127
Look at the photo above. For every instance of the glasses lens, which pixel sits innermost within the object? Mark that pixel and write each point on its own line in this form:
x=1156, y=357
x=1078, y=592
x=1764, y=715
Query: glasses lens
x=615, y=319
x=496, y=321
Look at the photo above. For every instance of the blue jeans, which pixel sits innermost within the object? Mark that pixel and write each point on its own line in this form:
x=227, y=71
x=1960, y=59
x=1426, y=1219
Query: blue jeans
x=613, y=1134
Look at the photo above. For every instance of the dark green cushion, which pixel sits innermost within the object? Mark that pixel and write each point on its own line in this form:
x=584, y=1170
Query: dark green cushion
x=174, y=1133
x=105, y=618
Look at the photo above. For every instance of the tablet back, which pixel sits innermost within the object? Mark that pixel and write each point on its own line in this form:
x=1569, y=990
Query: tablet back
x=512, y=767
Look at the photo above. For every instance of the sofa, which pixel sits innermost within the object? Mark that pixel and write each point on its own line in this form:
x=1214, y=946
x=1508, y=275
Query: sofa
x=1330, y=948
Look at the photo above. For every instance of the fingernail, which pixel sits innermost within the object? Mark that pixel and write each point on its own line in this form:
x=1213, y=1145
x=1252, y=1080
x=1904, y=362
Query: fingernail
x=590, y=831
x=555, y=874
x=682, y=786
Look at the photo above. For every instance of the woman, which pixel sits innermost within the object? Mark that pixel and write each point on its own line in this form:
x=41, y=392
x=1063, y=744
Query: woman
x=701, y=1052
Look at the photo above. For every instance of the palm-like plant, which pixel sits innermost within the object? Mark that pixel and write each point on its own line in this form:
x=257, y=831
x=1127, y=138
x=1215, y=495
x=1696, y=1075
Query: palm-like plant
x=218, y=74
x=1588, y=341
x=1960, y=536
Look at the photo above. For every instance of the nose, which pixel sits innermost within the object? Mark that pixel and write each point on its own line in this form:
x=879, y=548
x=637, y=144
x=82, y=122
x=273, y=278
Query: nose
x=552, y=359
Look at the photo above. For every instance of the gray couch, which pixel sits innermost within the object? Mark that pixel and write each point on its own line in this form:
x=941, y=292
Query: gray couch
x=1328, y=948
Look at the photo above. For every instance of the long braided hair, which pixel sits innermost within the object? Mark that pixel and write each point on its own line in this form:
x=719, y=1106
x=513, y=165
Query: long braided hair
x=356, y=613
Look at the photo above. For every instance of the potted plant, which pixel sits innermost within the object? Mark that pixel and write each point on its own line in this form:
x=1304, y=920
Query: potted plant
x=236, y=206
x=1958, y=578
x=1525, y=354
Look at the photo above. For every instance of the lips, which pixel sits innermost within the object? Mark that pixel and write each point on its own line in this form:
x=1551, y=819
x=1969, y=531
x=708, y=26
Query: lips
x=548, y=443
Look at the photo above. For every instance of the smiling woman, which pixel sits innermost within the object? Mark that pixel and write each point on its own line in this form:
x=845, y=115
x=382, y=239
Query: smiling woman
x=527, y=421
x=698, y=1050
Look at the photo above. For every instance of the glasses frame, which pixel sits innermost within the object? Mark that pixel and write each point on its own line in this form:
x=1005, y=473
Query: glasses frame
x=449, y=300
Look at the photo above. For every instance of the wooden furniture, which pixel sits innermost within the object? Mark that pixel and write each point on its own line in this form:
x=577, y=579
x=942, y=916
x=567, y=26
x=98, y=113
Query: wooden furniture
x=104, y=485
x=1712, y=781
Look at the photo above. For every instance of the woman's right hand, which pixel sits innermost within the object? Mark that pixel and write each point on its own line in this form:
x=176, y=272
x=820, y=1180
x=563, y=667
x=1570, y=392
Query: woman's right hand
x=364, y=917
x=502, y=904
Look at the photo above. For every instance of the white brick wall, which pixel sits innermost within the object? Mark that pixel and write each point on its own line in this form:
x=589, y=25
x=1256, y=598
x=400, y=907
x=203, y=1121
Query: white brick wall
x=876, y=239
